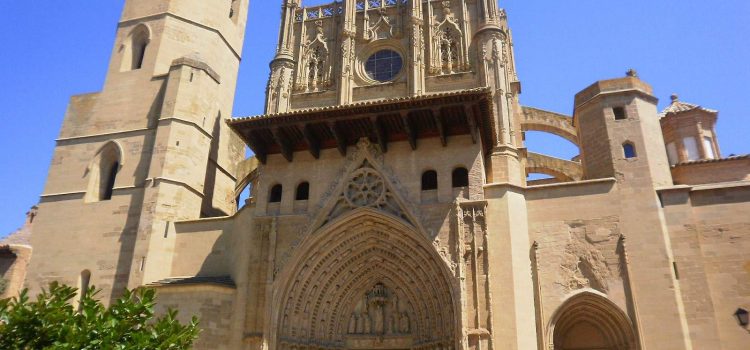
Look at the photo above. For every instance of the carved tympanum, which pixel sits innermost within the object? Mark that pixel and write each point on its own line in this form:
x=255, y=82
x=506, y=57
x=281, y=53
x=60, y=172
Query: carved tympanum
x=380, y=313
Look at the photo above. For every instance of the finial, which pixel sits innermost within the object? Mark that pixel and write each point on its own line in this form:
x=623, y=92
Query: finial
x=675, y=97
x=632, y=73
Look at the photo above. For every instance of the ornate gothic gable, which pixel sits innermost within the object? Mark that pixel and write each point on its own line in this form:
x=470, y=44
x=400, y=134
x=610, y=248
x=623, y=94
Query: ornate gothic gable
x=315, y=71
x=366, y=183
x=449, y=54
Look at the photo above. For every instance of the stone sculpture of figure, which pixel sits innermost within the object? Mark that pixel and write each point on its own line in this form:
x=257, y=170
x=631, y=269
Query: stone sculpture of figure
x=353, y=324
x=366, y=323
x=360, y=329
x=404, y=323
x=378, y=322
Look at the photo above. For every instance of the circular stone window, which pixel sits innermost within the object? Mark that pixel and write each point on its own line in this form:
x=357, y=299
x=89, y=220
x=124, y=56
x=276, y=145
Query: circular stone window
x=384, y=65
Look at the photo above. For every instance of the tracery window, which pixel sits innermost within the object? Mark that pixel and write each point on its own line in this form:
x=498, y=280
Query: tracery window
x=384, y=65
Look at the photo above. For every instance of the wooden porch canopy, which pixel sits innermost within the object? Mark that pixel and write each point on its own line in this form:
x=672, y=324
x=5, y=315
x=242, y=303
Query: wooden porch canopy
x=465, y=112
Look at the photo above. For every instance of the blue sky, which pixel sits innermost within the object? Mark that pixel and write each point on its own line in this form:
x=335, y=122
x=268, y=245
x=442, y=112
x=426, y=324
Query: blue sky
x=698, y=49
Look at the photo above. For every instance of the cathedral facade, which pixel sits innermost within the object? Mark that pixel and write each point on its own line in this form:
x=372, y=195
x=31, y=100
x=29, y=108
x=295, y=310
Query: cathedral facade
x=390, y=206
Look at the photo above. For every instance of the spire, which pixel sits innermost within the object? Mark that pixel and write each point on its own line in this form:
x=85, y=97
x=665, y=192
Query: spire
x=490, y=13
x=288, y=10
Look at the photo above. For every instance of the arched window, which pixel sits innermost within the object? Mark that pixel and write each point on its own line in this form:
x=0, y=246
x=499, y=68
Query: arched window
x=708, y=145
x=672, y=154
x=303, y=192
x=460, y=177
x=109, y=185
x=691, y=148
x=628, y=150
x=135, y=48
x=139, y=52
x=83, y=286
x=103, y=173
x=231, y=8
x=234, y=8
x=429, y=180
x=275, y=196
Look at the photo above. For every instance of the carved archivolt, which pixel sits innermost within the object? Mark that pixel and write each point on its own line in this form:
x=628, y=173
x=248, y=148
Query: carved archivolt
x=614, y=328
x=368, y=279
x=365, y=182
x=448, y=45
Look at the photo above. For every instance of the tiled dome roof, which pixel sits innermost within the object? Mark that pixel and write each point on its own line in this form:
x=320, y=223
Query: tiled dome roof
x=678, y=106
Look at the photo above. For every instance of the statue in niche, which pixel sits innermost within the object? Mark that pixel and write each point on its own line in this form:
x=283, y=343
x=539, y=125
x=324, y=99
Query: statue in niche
x=404, y=327
x=378, y=324
x=377, y=299
x=353, y=324
x=366, y=324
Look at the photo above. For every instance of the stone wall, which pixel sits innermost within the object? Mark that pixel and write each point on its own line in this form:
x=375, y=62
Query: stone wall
x=710, y=238
x=707, y=172
x=213, y=305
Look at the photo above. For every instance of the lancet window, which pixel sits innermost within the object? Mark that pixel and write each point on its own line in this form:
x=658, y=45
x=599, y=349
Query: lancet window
x=102, y=173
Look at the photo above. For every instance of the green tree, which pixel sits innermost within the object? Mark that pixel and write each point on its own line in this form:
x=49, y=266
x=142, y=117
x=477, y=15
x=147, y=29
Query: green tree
x=53, y=322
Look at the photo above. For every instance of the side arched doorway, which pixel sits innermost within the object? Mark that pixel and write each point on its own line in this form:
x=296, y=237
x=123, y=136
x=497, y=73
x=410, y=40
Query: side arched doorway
x=365, y=281
x=588, y=321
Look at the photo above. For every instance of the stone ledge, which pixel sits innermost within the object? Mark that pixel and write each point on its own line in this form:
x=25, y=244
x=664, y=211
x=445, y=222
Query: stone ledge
x=197, y=64
x=218, y=281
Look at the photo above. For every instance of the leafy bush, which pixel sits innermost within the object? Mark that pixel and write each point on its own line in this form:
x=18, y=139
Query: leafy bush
x=52, y=322
x=3, y=285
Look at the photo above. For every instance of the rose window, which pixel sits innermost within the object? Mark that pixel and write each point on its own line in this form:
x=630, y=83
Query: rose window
x=366, y=188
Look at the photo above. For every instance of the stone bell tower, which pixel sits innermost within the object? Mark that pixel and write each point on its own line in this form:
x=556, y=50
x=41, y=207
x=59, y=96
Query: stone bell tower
x=150, y=149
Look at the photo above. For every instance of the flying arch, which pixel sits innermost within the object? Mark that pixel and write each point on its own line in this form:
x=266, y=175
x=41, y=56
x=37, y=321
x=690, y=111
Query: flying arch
x=535, y=119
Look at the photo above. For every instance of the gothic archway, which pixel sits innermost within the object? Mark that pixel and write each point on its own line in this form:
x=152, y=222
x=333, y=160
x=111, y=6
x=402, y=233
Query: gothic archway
x=366, y=280
x=589, y=321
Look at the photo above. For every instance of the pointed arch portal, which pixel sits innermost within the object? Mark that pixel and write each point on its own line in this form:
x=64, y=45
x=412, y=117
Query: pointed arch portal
x=363, y=281
x=588, y=321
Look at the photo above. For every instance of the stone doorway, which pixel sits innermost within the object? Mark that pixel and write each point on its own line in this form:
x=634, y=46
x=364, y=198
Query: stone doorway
x=589, y=321
x=367, y=282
